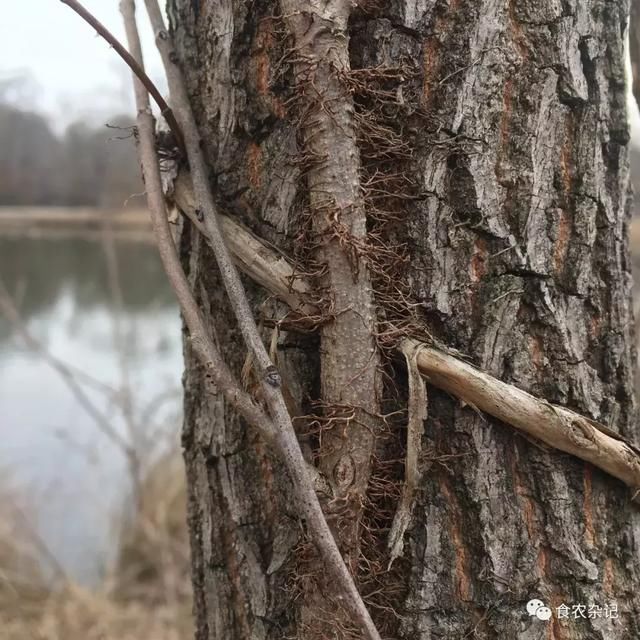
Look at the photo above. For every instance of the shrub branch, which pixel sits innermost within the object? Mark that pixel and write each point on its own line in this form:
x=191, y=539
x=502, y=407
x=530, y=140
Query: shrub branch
x=277, y=429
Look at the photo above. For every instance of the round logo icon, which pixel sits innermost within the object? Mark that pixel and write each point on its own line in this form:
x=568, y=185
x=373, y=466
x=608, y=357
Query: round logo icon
x=543, y=613
x=533, y=605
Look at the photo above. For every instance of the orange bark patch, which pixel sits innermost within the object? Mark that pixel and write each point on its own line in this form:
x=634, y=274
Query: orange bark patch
x=542, y=562
x=528, y=506
x=589, y=531
x=478, y=266
x=431, y=53
x=556, y=631
x=608, y=577
x=430, y=64
x=462, y=570
x=594, y=326
x=517, y=35
x=536, y=350
x=254, y=165
x=262, y=45
x=562, y=243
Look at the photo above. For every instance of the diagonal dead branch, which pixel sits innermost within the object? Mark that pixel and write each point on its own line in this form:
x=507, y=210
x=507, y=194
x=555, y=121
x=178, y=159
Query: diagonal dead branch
x=557, y=426
x=278, y=430
x=259, y=262
x=554, y=425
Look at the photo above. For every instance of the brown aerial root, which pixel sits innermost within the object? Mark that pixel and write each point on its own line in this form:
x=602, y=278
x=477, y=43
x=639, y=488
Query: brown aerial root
x=382, y=588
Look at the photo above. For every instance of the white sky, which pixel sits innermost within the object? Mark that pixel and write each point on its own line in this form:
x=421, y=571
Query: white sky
x=71, y=71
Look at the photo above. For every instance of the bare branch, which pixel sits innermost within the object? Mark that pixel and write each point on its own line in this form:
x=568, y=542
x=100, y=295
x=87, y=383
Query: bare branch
x=133, y=64
x=264, y=265
x=206, y=204
x=202, y=343
x=281, y=434
x=557, y=426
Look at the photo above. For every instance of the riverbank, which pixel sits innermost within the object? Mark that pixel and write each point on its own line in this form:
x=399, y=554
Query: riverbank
x=131, y=224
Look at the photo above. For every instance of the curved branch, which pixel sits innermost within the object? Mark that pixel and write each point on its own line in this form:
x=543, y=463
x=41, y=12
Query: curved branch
x=133, y=64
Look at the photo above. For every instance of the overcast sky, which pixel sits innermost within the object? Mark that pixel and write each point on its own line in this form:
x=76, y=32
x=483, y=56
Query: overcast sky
x=69, y=71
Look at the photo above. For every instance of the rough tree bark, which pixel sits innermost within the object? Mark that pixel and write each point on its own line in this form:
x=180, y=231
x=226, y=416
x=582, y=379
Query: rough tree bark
x=504, y=171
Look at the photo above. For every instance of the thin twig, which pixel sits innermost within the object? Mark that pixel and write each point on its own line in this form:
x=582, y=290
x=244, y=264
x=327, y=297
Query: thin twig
x=133, y=64
x=202, y=344
x=200, y=177
x=9, y=310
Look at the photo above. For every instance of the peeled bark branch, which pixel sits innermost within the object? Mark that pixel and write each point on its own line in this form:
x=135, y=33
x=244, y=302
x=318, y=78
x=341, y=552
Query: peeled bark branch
x=417, y=411
x=557, y=426
x=262, y=264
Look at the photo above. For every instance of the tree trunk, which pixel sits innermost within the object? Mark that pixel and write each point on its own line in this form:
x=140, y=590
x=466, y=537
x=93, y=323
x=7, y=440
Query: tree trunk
x=492, y=140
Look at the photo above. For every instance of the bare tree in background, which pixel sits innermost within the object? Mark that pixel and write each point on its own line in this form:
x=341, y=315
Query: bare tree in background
x=85, y=166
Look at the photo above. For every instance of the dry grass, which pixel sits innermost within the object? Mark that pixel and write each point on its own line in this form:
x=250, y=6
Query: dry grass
x=147, y=595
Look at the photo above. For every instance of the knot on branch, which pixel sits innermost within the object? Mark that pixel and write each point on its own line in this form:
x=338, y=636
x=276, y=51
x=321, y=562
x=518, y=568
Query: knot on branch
x=272, y=377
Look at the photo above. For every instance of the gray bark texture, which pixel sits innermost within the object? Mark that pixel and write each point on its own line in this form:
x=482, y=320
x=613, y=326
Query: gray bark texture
x=493, y=154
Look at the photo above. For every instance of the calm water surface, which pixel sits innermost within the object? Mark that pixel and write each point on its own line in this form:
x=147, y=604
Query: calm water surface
x=103, y=308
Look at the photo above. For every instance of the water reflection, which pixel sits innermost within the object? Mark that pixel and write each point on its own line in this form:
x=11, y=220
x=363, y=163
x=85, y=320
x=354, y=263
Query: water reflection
x=126, y=334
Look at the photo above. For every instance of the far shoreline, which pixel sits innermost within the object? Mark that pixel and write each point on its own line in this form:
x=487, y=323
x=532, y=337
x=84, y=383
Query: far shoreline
x=50, y=222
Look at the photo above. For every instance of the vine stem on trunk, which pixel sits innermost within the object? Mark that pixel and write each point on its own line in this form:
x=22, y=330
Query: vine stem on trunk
x=350, y=361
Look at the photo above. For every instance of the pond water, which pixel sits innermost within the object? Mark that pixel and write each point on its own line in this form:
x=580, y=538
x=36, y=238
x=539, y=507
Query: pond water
x=102, y=309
